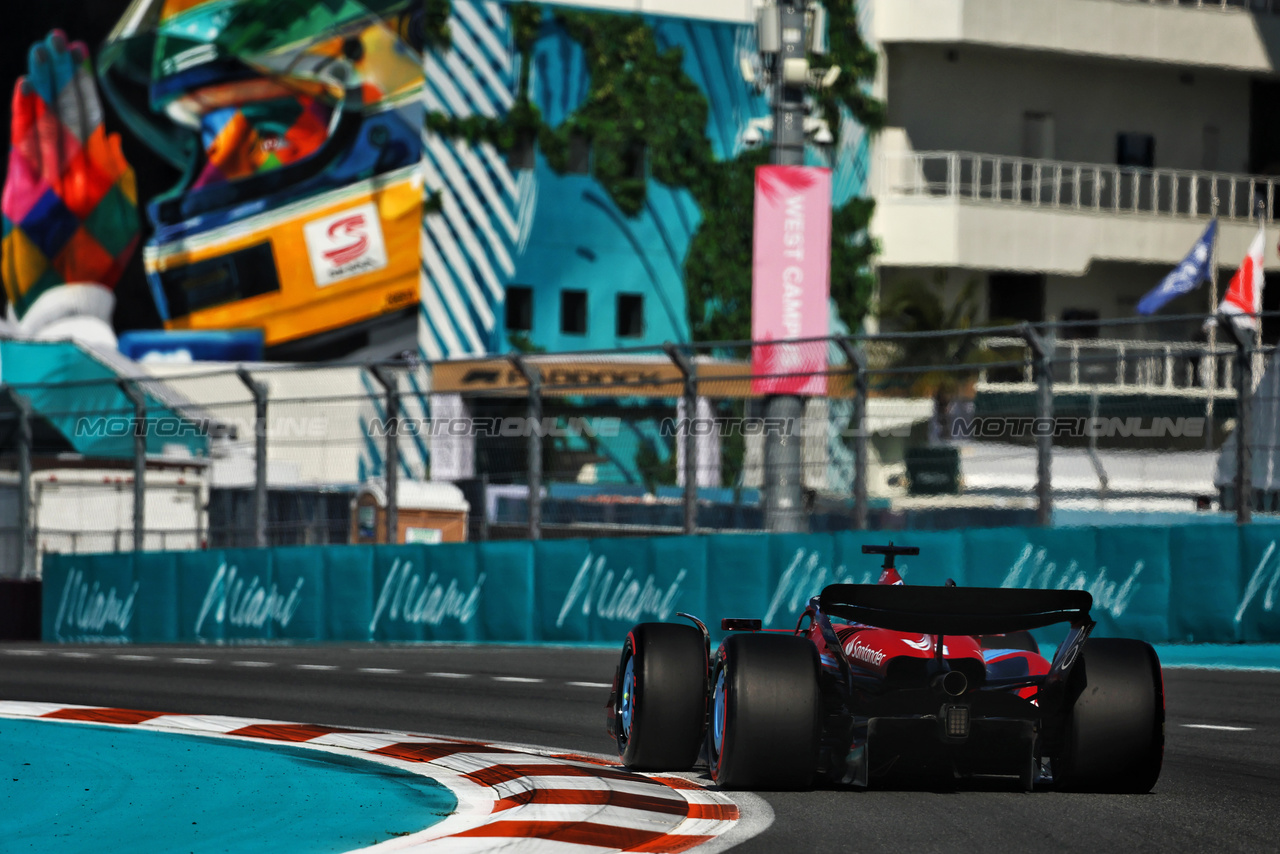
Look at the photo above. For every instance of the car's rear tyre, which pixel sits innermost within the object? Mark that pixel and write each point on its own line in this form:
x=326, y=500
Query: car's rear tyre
x=661, y=703
x=765, y=713
x=1114, y=735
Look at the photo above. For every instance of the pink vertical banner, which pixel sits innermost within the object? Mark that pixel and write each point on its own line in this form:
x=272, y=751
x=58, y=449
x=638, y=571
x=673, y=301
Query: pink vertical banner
x=791, y=279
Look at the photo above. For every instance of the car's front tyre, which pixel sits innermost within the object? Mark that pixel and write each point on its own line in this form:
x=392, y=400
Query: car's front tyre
x=660, y=705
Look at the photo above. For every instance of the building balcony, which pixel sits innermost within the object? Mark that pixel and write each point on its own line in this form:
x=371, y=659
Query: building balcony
x=1241, y=35
x=950, y=209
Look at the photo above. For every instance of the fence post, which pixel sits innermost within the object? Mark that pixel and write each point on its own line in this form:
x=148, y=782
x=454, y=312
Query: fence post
x=139, y=401
x=1042, y=349
x=259, y=392
x=689, y=372
x=533, y=377
x=26, y=542
x=1243, y=339
x=391, y=384
x=858, y=366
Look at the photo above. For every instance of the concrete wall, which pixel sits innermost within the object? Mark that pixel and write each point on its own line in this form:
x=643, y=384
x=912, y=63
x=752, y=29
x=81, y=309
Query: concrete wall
x=940, y=232
x=1143, y=31
x=978, y=102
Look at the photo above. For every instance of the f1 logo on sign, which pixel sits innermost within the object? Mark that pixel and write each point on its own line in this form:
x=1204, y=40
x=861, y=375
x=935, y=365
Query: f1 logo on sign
x=345, y=244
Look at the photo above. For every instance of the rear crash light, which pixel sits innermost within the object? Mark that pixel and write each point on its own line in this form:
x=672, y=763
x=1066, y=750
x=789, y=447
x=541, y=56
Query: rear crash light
x=955, y=722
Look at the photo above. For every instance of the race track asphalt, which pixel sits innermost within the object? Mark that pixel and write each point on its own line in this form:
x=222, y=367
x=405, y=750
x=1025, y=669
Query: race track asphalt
x=1220, y=789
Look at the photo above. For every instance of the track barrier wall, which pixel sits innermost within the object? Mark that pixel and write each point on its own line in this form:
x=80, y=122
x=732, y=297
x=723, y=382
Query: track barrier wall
x=1217, y=583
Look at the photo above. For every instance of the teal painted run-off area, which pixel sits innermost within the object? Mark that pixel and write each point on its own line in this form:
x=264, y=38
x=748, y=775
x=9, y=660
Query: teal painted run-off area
x=71, y=788
x=1160, y=583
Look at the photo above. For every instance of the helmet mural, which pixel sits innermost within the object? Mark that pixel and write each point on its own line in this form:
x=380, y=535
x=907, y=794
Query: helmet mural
x=297, y=126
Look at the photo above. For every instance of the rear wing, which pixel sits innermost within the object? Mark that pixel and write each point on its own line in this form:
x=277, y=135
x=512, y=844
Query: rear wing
x=954, y=610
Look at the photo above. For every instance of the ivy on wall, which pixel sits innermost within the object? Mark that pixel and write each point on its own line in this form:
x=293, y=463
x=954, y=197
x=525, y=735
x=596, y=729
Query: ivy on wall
x=645, y=118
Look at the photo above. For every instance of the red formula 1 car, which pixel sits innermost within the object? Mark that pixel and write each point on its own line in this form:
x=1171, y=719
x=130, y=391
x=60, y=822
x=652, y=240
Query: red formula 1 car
x=885, y=684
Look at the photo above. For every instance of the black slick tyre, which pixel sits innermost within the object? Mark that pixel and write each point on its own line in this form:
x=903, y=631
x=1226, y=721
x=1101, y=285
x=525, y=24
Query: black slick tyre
x=661, y=703
x=765, y=713
x=1114, y=735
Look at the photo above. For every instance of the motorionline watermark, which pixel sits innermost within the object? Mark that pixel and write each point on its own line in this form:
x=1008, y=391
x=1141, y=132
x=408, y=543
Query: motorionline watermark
x=317, y=427
x=508, y=427
x=174, y=427
x=986, y=427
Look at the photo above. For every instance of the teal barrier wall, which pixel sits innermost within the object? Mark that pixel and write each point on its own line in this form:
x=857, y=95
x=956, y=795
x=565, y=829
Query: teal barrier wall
x=1201, y=583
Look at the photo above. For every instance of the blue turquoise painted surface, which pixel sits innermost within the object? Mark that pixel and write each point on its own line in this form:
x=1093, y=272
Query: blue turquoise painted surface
x=77, y=392
x=84, y=788
x=1214, y=656
x=500, y=227
x=1180, y=584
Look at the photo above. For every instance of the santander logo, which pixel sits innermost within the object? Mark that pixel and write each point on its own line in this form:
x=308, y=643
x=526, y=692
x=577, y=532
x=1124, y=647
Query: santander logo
x=354, y=227
x=858, y=651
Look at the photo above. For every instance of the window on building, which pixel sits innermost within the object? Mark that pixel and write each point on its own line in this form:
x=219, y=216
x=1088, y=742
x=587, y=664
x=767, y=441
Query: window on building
x=519, y=309
x=579, y=154
x=1086, y=317
x=1037, y=135
x=521, y=154
x=630, y=322
x=1015, y=296
x=1209, y=160
x=573, y=312
x=1136, y=149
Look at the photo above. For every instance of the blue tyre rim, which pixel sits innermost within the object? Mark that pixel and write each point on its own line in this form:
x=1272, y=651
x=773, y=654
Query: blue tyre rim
x=627, y=703
x=718, y=714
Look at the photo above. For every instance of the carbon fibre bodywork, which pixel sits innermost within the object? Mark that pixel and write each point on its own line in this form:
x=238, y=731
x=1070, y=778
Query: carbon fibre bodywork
x=890, y=708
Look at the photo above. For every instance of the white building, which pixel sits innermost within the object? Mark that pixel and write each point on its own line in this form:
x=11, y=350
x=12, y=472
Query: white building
x=1067, y=152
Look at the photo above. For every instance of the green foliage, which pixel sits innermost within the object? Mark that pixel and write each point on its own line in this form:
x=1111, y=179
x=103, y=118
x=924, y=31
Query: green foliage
x=857, y=64
x=435, y=24
x=654, y=470
x=918, y=306
x=645, y=118
x=642, y=114
x=521, y=342
x=718, y=266
x=852, y=248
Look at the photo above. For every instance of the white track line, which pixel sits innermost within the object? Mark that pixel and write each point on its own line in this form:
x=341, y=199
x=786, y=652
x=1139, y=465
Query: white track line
x=1221, y=727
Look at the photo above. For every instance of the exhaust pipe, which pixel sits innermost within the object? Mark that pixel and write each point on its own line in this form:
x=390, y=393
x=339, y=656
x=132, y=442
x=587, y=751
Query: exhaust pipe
x=953, y=683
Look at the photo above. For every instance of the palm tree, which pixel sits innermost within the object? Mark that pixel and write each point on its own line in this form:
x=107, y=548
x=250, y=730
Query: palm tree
x=917, y=306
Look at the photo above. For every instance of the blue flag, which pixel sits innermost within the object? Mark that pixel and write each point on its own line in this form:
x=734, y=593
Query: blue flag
x=1186, y=277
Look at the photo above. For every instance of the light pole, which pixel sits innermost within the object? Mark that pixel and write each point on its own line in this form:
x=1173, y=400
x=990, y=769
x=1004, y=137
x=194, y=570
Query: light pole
x=783, y=469
x=785, y=30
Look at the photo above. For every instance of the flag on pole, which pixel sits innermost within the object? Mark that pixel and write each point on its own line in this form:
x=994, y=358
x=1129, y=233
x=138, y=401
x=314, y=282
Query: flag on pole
x=1244, y=294
x=1185, y=277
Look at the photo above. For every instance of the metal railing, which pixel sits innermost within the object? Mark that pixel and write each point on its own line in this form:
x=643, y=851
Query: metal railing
x=1076, y=186
x=1116, y=365
x=897, y=427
